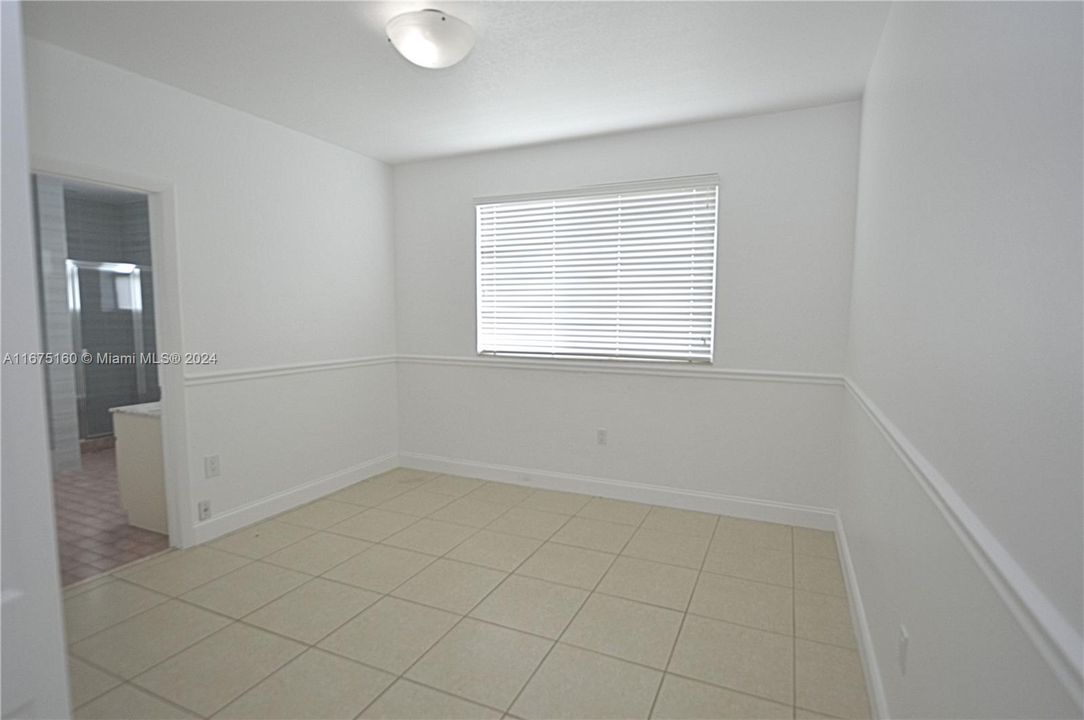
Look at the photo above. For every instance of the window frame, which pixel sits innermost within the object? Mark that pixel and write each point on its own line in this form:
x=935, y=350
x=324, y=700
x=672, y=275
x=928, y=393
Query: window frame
x=585, y=192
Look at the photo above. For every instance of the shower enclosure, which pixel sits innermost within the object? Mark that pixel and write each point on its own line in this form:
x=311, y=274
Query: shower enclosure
x=94, y=252
x=114, y=336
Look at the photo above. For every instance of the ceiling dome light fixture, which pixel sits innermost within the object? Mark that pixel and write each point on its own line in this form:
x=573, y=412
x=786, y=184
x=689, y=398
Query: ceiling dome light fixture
x=430, y=38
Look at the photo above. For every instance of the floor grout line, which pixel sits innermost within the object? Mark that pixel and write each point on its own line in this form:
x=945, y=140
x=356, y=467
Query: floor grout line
x=233, y=620
x=794, y=630
x=684, y=616
x=402, y=675
x=574, y=615
x=306, y=646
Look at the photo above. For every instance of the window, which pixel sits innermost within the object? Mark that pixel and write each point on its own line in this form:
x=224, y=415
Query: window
x=617, y=271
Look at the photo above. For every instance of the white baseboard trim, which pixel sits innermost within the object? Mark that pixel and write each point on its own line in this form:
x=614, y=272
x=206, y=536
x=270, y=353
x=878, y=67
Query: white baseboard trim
x=684, y=499
x=874, y=683
x=239, y=517
x=1056, y=640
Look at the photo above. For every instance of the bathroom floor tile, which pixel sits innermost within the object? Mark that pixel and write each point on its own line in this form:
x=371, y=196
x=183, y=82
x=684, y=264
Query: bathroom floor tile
x=93, y=534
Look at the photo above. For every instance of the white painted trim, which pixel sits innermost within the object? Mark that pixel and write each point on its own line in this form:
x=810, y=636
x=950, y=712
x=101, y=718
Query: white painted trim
x=226, y=376
x=576, y=366
x=264, y=508
x=874, y=681
x=161, y=205
x=627, y=367
x=1057, y=641
x=684, y=499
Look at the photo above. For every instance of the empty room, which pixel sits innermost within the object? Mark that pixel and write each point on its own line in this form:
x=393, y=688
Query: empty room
x=673, y=360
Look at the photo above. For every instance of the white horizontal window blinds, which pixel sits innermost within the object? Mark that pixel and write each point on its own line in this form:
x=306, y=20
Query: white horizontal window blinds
x=621, y=271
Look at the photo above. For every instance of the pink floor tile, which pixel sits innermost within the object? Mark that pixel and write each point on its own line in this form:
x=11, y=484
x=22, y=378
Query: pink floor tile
x=92, y=528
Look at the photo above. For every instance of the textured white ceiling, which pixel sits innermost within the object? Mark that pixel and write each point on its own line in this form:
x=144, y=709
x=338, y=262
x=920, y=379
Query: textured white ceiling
x=541, y=71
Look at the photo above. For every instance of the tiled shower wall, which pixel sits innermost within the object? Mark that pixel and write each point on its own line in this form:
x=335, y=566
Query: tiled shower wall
x=59, y=379
x=103, y=231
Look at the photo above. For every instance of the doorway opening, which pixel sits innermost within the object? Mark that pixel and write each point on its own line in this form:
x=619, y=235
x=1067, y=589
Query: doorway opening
x=102, y=385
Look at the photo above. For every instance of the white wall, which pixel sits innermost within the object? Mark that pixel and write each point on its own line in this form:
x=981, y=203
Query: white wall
x=966, y=336
x=787, y=201
x=34, y=674
x=285, y=261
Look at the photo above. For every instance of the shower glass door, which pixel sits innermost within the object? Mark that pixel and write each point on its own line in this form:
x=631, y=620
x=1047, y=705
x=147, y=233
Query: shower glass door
x=106, y=305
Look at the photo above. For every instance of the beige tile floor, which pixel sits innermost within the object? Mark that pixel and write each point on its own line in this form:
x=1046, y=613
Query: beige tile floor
x=416, y=595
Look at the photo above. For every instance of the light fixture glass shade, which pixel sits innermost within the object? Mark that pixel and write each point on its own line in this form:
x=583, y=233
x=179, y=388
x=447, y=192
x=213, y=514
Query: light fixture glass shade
x=430, y=38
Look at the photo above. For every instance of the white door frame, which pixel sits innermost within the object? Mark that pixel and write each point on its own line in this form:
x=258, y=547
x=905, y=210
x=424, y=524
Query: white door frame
x=161, y=201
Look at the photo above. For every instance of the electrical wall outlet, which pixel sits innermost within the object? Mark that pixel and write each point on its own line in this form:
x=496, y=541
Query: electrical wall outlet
x=601, y=436
x=204, y=509
x=211, y=467
x=904, y=644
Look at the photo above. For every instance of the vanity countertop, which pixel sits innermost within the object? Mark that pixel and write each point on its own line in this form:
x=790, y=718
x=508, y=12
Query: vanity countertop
x=151, y=409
